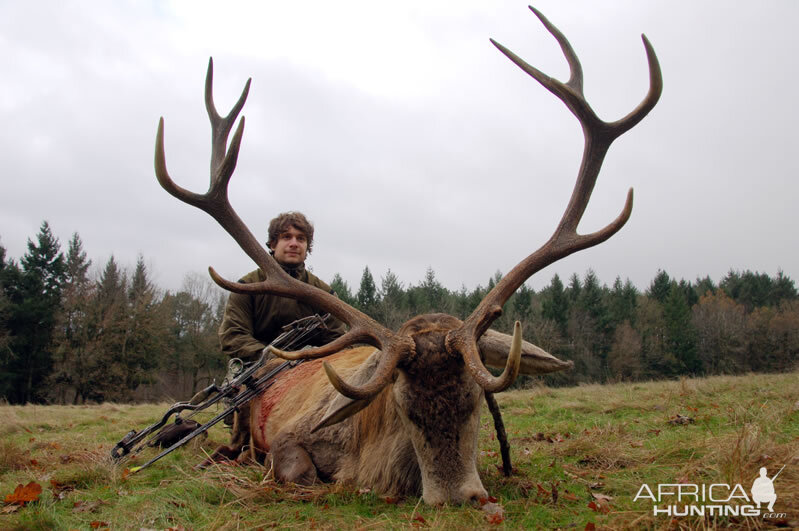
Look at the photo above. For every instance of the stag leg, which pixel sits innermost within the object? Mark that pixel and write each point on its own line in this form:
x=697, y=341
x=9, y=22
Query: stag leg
x=291, y=462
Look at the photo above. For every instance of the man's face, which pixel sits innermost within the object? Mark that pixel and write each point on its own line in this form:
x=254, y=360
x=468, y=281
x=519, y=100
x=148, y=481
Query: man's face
x=291, y=247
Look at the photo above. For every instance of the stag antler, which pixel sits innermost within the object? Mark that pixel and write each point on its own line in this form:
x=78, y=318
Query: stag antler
x=363, y=329
x=565, y=240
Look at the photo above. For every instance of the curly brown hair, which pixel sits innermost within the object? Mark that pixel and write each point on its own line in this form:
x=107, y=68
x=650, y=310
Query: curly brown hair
x=282, y=222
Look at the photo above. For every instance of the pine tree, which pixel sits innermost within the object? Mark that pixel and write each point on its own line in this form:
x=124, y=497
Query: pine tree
x=43, y=272
x=145, y=330
x=555, y=303
x=660, y=287
x=72, y=333
x=432, y=294
x=393, y=307
x=342, y=290
x=783, y=289
x=366, y=297
x=680, y=333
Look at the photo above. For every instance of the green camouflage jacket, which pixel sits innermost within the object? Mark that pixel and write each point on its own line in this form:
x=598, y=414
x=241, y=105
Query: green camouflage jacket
x=253, y=321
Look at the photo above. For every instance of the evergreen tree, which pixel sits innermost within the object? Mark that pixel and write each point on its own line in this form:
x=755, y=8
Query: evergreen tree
x=34, y=316
x=521, y=304
x=105, y=376
x=555, y=303
x=574, y=289
x=680, y=333
x=145, y=330
x=5, y=315
x=660, y=287
x=366, y=298
x=73, y=329
x=393, y=307
x=622, y=302
x=704, y=286
x=342, y=290
x=433, y=294
x=783, y=289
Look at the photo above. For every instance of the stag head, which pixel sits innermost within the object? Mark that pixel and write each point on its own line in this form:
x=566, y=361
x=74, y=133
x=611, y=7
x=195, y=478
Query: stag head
x=435, y=363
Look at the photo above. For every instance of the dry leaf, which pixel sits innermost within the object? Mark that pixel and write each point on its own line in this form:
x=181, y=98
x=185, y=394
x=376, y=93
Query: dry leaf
x=24, y=494
x=598, y=507
x=590, y=526
x=60, y=490
x=637, y=444
x=569, y=496
x=8, y=509
x=97, y=524
x=494, y=513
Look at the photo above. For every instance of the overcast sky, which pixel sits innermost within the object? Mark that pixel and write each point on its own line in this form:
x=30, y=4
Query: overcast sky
x=403, y=134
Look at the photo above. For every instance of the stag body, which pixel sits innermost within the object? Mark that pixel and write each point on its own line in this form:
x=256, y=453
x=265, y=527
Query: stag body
x=404, y=415
x=417, y=435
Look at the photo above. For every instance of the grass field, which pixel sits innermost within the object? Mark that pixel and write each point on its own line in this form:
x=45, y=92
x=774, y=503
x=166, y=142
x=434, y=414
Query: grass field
x=580, y=456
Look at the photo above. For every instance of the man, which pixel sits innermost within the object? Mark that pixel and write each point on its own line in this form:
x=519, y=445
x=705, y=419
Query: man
x=251, y=322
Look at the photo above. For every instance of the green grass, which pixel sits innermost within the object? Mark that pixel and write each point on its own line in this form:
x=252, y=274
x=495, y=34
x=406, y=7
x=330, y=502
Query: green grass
x=580, y=442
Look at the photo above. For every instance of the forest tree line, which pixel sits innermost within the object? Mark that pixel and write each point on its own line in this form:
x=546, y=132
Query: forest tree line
x=67, y=336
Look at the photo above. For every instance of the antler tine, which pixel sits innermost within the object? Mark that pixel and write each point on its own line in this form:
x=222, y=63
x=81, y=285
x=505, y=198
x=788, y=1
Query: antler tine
x=363, y=329
x=565, y=240
x=220, y=127
x=576, y=69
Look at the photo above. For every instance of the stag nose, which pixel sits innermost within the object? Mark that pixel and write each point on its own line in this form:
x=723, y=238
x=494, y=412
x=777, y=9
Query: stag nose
x=471, y=493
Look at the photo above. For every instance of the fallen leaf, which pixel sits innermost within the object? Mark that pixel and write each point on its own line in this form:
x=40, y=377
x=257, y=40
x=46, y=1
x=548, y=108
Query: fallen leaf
x=602, y=498
x=598, y=507
x=590, y=526
x=637, y=444
x=542, y=490
x=24, y=494
x=569, y=496
x=97, y=524
x=125, y=473
x=59, y=489
x=8, y=509
x=391, y=500
x=419, y=518
x=655, y=432
x=364, y=491
x=493, y=512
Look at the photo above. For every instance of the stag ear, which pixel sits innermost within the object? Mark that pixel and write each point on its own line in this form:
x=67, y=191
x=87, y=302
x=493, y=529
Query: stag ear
x=495, y=347
x=342, y=407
